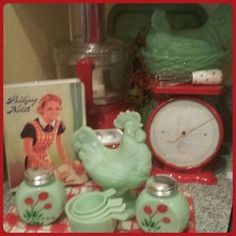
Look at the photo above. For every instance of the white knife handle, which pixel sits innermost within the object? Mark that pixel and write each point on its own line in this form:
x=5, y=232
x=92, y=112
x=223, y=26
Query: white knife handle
x=214, y=76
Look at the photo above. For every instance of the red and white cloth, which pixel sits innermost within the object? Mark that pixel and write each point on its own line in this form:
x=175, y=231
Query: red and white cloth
x=12, y=222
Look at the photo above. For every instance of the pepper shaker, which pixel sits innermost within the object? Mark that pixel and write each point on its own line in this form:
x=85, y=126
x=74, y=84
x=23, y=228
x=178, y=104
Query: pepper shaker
x=40, y=198
x=161, y=207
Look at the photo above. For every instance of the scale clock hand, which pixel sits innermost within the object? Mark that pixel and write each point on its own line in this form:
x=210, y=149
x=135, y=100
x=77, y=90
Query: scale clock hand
x=187, y=132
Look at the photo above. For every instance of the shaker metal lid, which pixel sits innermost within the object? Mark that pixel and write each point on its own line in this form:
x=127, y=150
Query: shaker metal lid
x=162, y=185
x=38, y=176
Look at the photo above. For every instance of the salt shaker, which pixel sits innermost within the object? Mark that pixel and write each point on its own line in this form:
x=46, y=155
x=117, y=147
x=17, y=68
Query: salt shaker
x=40, y=198
x=161, y=207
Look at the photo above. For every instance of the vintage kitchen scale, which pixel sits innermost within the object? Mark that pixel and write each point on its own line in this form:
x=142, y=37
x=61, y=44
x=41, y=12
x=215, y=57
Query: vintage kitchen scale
x=184, y=132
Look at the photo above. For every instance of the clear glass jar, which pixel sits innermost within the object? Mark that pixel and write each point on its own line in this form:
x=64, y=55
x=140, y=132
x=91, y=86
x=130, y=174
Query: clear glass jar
x=111, y=74
x=112, y=57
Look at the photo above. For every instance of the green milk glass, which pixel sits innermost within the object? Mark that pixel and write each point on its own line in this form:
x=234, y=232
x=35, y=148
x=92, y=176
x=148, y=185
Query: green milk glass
x=161, y=207
x=40, y=198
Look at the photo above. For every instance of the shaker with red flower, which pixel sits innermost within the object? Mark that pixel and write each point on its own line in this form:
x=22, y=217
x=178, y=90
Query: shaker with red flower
x=40, y=198
x=161, y=206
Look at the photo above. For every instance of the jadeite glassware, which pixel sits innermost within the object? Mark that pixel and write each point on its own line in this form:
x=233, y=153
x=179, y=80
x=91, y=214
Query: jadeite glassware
x=40, y=198
x=161, y=207
x=125, y=168
x=95, y=212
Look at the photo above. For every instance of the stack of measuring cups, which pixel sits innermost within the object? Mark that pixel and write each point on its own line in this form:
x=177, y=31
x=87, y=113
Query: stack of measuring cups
x=95, y=211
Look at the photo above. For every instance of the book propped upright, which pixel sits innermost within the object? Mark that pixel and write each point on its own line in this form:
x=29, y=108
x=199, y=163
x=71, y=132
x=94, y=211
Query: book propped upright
x=25, y=116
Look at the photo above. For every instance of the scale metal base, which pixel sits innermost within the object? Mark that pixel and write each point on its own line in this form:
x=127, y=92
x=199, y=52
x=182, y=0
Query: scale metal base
x=203, y=174
x=199, y=175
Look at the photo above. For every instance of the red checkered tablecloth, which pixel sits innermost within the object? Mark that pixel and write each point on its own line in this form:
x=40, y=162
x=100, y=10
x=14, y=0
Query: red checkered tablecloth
x=12, y=222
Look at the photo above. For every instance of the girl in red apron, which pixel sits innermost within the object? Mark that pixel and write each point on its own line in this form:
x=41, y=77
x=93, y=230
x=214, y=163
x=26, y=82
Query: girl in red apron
x=42, y=132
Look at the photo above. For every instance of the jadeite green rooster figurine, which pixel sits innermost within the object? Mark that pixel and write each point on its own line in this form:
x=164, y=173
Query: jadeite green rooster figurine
x=124, y=168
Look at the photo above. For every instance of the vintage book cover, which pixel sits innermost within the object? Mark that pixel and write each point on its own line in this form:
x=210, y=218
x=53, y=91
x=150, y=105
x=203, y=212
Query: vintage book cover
x=39, y=120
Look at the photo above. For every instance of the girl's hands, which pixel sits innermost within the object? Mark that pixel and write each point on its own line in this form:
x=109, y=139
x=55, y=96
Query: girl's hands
x=69, y=171
x=76, y=165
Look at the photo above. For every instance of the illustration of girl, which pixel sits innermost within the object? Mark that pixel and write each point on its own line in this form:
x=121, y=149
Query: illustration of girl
x=42, y=132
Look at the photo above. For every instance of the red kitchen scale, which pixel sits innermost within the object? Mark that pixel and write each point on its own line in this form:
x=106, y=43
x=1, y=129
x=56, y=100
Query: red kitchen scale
x=185, y=132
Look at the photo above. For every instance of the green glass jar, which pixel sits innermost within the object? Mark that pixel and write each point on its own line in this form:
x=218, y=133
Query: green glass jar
x=40, y=198
x=161, y=207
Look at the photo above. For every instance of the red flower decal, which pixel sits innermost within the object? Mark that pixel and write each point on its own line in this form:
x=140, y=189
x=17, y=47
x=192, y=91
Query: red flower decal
x=43, y=196
x=162, y=208
x=166, y=220
x=29, y=201
x=147, y=210
x=48, y=206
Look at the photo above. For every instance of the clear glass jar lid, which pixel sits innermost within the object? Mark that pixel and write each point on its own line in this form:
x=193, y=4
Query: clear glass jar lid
x=162, y=185
x=38, y=176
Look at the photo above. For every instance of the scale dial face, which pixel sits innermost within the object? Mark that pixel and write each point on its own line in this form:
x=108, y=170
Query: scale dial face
x=184, y=133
